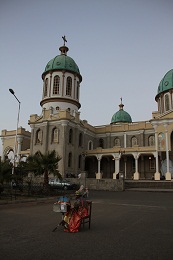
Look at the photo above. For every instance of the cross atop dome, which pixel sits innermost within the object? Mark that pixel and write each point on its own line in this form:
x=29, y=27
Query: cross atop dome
x=64, y=49
x=121, y=105
x=64, y=39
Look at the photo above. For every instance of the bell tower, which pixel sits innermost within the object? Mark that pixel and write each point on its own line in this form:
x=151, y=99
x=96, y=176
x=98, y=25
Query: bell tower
x=61, y=83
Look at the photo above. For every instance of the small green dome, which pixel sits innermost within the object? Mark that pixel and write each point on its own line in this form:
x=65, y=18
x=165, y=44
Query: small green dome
x=166, y=83
x=62, y=62
x=121, y=116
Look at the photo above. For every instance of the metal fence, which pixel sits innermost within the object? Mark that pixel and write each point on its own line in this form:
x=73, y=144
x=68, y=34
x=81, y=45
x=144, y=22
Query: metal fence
x=13, y=191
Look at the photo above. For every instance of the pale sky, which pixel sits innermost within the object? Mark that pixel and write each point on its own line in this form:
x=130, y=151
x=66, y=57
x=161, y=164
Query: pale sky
x=123, y=49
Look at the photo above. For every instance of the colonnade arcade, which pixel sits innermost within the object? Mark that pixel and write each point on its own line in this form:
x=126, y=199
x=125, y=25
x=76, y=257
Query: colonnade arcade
x=137, y=165
x=134, y=162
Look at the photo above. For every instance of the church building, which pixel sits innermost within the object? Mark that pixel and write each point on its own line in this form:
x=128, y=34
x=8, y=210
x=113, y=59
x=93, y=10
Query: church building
x=137, y=150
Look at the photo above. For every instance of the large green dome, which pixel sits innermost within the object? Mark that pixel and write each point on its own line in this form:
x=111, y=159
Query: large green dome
x=166, y=83
x=62, y=62
x=121, y=116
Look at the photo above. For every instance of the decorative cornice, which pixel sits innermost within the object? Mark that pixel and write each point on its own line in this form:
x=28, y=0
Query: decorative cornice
x=59, y=99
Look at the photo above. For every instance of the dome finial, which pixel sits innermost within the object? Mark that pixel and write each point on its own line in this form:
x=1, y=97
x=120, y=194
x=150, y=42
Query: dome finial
x=64, y=39
x=64, y=49
x=121, y=105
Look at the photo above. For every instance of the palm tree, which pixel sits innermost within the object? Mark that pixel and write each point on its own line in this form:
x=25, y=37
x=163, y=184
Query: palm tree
x=44, y=164
x=20, y=171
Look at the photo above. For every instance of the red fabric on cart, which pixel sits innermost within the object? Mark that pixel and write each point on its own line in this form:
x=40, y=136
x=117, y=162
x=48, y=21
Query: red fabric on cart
x=83, y=212
x=75, y=222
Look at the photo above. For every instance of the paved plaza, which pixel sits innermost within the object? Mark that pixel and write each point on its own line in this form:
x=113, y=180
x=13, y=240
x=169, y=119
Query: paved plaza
x=125, y=225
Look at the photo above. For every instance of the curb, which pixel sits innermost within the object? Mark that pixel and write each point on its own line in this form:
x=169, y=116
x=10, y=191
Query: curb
x=36, y=200
x=149, y=190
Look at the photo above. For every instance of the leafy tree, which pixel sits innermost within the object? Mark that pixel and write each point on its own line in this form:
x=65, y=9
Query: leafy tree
x=5, y=170
x=20, y=171
x=43, y=164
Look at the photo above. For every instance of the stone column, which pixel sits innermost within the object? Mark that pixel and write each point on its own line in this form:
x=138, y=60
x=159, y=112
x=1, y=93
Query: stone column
x=142, y=167
x=32, y=138
x=136, y=174
x=125, y=167
x=168, y=174
x=117, y=165
x=125, y=140
x=63, y=160
x=74, y=87
x=45, y=132
x=50, y=85
x=157, y=173
x=63, y=90
x=3, y=155
x=98, y=174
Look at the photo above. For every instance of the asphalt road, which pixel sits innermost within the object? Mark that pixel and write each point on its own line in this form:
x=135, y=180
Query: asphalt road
x=125, y=225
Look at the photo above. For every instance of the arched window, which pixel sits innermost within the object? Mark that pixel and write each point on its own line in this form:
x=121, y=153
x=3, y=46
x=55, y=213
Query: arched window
x=69, y=86
x=69, y=159
x=39, y=136
x=151, y=140
x=101, y=143
x=77, y=92
x=80, y=139
x=45, y=87
x=167, y=104
x=70, y=136
x=55, y=135
x=90, y=145
x=56, y=85
x=134, y=141
x=79, y=161
x=117, y=142
x=159, y=105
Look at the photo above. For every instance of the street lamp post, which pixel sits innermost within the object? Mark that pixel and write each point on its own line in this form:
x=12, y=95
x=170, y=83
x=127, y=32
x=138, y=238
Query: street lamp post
x=15, y=143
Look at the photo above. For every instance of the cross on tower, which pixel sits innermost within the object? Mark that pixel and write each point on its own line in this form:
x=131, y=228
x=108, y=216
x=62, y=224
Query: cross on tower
x=64, y=39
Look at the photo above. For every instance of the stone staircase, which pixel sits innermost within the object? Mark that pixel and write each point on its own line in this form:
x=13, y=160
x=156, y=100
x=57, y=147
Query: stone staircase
x=148, y=184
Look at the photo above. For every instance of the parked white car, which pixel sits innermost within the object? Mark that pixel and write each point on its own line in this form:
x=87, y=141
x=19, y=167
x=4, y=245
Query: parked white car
x=63, y=184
